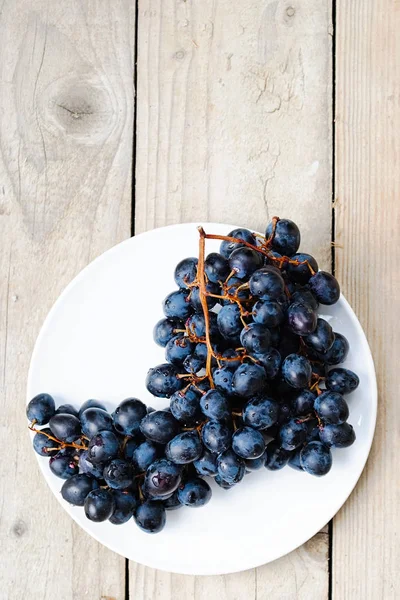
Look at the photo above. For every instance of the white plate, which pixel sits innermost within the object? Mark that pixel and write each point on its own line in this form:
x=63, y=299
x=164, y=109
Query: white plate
x=97, y=343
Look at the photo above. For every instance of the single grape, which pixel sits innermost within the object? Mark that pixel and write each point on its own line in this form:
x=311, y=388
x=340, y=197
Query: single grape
x=40, y=409
x=216, y=436
x=277, y=457
x=248, y=443
x=131, y=444
x=286, y=237
x=294, y=461
x=223, y=379
x=177, y=349
x=159, y=426
x=162, y=479
x=227, y=248
x=194, y=493
x=230, y=467
x=271, y=361
x=43, y=445
x=249, y=380
x=185, y=272
x=302, y=319
x=305, y=296
x=322, y=338
x=103, y=447
x=229, y=321
x=254, y=464
x=244, y=261
x=339, y=435
x=216, y=267
x=222, y=483
x=343, y=381
x=206, y=464
x=67, y=409
x=197, y=325
x=256, y=338
x=118, y=474
x=292, y=434
x=268, y=312
x=296, y=371
x=99, y=505
x=128, y=415
x=172, y=503
x=316, y=459
x=94, y=420
x=211, y=288
x=165, y=330
x=63, y=464
x=331, y=407
x=65, y=427
x=145, y=454
x=162, y=380
x=215, y=405
x=125, y=503
x=184, y=448
x=303, y=403
x=301, y=273
x=267, y=283
x=338, y=352
x=261, y=412
x=91, y=404
x=325, y=287
x=185, y=406
x=75, y=489
x=88, y=468
x=177, y=304
x=150, y=517
x=193, y=364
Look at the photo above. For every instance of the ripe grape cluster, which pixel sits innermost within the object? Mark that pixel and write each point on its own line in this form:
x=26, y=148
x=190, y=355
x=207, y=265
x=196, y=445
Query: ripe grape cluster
x=252, y=380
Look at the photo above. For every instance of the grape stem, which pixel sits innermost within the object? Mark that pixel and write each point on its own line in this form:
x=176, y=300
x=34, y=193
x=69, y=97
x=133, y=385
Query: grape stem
x=203, y=299
x=54, y=439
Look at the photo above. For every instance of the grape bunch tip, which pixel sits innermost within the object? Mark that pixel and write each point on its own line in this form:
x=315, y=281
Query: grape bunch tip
x=252, y=379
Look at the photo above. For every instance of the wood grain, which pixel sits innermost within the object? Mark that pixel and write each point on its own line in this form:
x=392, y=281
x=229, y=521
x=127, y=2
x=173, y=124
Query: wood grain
x=66, y=73
x=234, y=125
x=366, y=550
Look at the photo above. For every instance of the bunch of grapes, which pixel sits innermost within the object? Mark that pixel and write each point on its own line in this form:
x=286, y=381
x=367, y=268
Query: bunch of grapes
x=252, y=381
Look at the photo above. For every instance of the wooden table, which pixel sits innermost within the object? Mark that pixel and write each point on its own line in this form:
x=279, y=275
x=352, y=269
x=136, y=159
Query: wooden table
x=244, y=110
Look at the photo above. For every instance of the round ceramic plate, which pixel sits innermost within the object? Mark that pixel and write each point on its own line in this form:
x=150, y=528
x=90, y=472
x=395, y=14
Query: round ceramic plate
x=97, y=343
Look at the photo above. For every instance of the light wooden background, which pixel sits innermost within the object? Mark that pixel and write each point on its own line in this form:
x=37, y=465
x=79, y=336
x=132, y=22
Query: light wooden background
x=238, y=117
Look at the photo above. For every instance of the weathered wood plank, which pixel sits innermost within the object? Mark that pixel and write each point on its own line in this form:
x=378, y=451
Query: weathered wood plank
x=234, y=125
x=65, y=196
x=366, y=550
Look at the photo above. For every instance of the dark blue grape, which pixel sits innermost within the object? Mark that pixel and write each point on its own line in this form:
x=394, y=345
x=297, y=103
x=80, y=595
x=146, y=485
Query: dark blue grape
x=215, y=405
x=292, y=434
x=165, y=330
x=162, y=479
x=268, y=313
x=277, y=457
x=150, y=517
x=184, y=448
x=159, y=426
x=271, y=361
x=216, y=267
x=244, y=261
x=103, y=447
x=185, y=406
x=331, y=407
x=177, y=304
x=67, y=409
x=216, y=436
x=42, y=444
x=193, y=364
x=178, y=348
x=267, y=283
x=294, y=461
x=296, y=371
x=194, y=493
x=339, y=435
x=185, y=272
x=249, y=380
x=118, y=474
x=322, y=338
x=131, y=444
x=312, y=431
x=285, y=413
x=338, y=352
x=197, y=325
x=232, y=290
x=286, y=237
x=145, y=454
x=94, y=420
x=325, y=287
x=256, y=338
x=227, y=248
x=229, y=321
x=225, y=485
x=125, y=503
x=248, y=443
x=254, y=464
x=301, y=273
x=231, y=364
x=75, y=489
x=172, y=503
x=128, y=415
x=91, y=404
x=211, y=288
x=230, y=467
x=40, y=409
x=343, y=381
x=302, y=319
x=206, y=464
x=316, y=459
x=64, y=427
x=88, y=468
x=260, y=413
x=223, y=379
x=162, y=380
x=303, y=403
x=63, y=464
x=305, y=296
x=99, y=505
